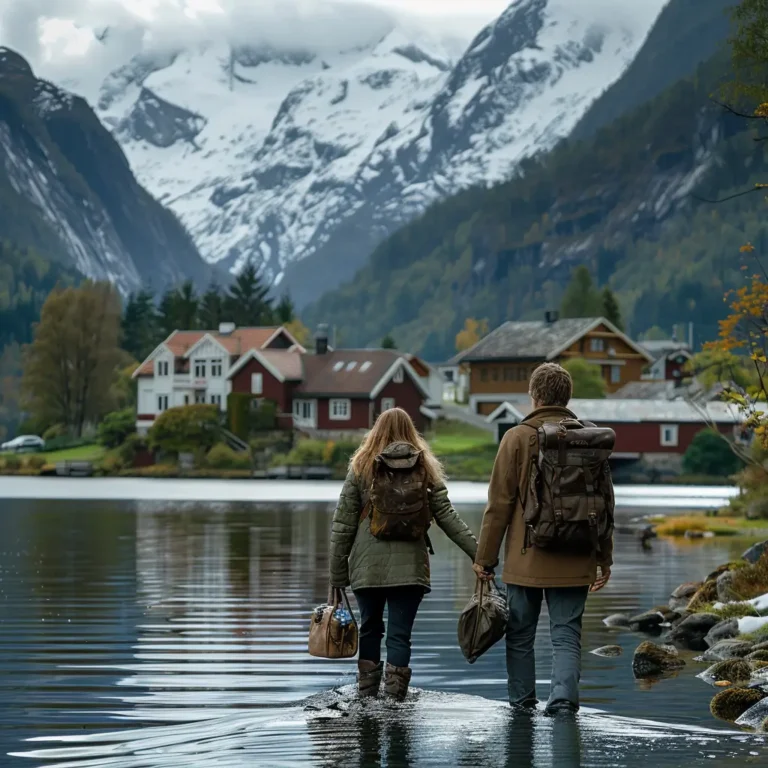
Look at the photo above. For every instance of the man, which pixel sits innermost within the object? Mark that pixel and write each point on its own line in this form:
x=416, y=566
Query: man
x=531, y=573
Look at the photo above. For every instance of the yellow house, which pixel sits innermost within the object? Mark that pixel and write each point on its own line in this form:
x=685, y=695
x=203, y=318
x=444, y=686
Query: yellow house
x=500, y=365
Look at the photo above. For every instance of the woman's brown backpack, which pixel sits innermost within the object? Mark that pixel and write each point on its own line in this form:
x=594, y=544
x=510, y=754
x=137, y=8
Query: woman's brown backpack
x=398, y=500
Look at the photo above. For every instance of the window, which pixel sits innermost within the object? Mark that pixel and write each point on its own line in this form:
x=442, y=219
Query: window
x=257, y=384
x=339, y=409
x=597, y=345
x=483, y=374
x=615, y=374
x=387, y=403
x=351, y=365
x=399, y=376
x=522, y=374
x=495, y=374
x=669, y=436
x=199, y=369
x=200, y=397
x=163, y=368
x=162, y=403
x=186, y=399
x=509, y=374
x=338, y=366
x=365, y=366
x=216, y=368
x=216, y=400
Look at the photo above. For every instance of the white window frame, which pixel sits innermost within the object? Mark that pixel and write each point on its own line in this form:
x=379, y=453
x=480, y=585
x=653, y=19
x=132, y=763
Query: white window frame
x=216, y=368
x=399, y=376
x=615, y=374
x=596, y=344
x=340, y=409
x=162, y=403
x=674, y=438
x=387, y=403
x=304, y=412
x=163, y=368
x=216, y=400
x=257, y=383
x=200, y=397
x=200, y=369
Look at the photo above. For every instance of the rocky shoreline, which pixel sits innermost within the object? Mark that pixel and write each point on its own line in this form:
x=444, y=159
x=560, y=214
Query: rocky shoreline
x=725, y=618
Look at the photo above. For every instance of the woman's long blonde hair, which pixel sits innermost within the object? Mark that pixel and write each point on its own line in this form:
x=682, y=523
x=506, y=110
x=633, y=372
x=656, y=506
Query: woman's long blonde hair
x=394, y=426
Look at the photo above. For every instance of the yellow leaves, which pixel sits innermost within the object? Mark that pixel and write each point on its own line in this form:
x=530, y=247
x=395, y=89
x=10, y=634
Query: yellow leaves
x=758, y=358
x=747, y=248
x=762, y=110
x=473, y=331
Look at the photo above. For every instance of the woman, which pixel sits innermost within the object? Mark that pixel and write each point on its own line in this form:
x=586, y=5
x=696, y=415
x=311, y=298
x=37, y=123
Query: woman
x=381, y=551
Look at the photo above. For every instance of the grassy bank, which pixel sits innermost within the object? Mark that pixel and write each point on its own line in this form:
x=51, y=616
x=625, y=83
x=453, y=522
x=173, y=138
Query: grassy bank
x=713, y=524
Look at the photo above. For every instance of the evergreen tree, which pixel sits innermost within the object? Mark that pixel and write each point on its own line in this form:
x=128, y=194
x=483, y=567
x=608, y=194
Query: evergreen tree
x=388, y=342
x=211, y=309
x=285, y=311
x=167, y=313
x=581, y=298
x=248, y=303
x=611, y=311
x=140, y=329
x=187, y=306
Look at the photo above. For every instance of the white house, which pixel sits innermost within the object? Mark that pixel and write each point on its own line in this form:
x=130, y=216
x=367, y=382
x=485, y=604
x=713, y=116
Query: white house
x=193, y=367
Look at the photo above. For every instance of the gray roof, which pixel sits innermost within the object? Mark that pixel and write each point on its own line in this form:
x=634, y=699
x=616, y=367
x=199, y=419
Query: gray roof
x=650, y=390
x=661, y=347
x=534, y=340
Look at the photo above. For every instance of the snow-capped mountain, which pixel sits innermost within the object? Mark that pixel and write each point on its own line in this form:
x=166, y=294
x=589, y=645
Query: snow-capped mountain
x=305, y=162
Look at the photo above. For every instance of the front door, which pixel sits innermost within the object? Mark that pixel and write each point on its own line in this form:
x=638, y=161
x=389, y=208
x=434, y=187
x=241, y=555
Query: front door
x=305, y=413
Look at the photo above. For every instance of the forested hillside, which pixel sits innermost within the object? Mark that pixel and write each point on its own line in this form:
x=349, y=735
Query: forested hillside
x=627, y=203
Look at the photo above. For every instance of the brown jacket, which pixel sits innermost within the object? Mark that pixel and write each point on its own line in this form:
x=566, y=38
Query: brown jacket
x=504, y=516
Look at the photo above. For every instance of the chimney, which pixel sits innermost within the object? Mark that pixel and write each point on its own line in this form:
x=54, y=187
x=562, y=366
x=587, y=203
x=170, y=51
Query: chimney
x=321, y=339
x=226, y=329
x=551, y=316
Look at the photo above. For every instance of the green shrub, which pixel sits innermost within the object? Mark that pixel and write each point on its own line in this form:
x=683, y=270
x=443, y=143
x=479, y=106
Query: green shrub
x=35, y=461
x=272, y=442
x=156, y=470
x=709, y=454
x=12, y=462
x=239, y=414
x=132, y=445
x=337, y=454
x=221, y=456
x=116, y=426
x=112, y=463
x=279, y=460
x=63, y=442
x=56, y=431
x=181, y=430
x=307, y=452
x=263, y=418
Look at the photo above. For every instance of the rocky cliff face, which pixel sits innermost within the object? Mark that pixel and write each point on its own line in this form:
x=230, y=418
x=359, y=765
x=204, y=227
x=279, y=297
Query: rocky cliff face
x=305, y=163
x=67, y=190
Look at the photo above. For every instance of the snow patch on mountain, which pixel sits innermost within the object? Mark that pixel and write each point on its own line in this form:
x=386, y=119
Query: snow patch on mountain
x=304, y=157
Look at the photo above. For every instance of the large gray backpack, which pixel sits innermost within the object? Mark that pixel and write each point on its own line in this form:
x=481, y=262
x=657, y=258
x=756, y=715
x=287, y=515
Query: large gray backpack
x=570, y=503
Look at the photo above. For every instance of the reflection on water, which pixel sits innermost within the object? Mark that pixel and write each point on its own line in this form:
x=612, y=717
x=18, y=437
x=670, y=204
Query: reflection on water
x=149, y=635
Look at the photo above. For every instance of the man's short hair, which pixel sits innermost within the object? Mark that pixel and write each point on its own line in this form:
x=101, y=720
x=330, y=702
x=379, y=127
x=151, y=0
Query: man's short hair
x=551, y=384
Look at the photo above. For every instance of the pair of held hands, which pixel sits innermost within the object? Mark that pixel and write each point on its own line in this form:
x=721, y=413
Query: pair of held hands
x=600, y=582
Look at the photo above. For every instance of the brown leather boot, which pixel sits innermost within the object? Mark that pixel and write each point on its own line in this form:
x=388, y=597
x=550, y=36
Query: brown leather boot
x=396, y=681
x=369, y=678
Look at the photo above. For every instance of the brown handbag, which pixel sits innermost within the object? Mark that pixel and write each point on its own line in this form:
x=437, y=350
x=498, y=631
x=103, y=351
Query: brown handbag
x=483, y=622
x=329, y=638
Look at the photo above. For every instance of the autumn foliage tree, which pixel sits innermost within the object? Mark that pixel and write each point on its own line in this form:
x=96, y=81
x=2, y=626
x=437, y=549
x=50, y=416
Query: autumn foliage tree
x=471, y=333
x=71, y=365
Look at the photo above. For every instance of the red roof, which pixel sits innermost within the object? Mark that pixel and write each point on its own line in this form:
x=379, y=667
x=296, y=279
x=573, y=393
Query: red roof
x=237, y=343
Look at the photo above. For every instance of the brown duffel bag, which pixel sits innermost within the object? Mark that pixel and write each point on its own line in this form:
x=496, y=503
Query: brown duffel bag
x=333, y=628
x=484, y=621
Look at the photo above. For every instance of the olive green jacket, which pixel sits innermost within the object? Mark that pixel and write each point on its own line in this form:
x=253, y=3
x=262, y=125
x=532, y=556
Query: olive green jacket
x=360, y=560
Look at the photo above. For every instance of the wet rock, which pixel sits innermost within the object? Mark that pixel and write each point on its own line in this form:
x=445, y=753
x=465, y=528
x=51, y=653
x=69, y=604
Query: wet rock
x=718, y=571
x=617, y=621
x=705, y=595
x=691, y=632
x=758, y=656
x=689, y=589
x=755, y=552
x=723, y=630
x=678, y=603
x=755, y=716
x=728, y=649
x=759, y=666
x=609, y=651
x=653, y=620
x=730, y=705
x=682, y=616
x=724, y=588
x=760, y=646
x=651, y=660
x=734, y=671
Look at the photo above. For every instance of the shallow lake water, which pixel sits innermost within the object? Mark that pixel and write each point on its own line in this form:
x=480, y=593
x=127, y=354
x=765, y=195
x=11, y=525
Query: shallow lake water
x=157, y=634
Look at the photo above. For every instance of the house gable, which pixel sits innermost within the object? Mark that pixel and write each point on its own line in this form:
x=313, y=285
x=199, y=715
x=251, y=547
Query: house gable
x=399, y=364
x=147, y=368
x=207, y=347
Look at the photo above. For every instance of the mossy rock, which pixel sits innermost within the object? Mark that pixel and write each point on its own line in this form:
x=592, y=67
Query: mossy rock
x=730, y=705
x=705, y=595
x=689, y=589
x=728, y=649
x=760, y=655
x=761, y=646
x=650, y=660
x=733, y=670
x=757, y=666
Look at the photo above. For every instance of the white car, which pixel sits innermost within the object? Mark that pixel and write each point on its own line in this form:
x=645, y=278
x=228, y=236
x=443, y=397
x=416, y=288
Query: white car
x=24, y=444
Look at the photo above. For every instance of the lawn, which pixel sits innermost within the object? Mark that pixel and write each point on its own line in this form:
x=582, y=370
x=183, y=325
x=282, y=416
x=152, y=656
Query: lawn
x=92, y=452
x=454, y=437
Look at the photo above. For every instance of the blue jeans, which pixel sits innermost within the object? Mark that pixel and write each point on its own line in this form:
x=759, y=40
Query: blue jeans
x=402, y=605
x=566, y=609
